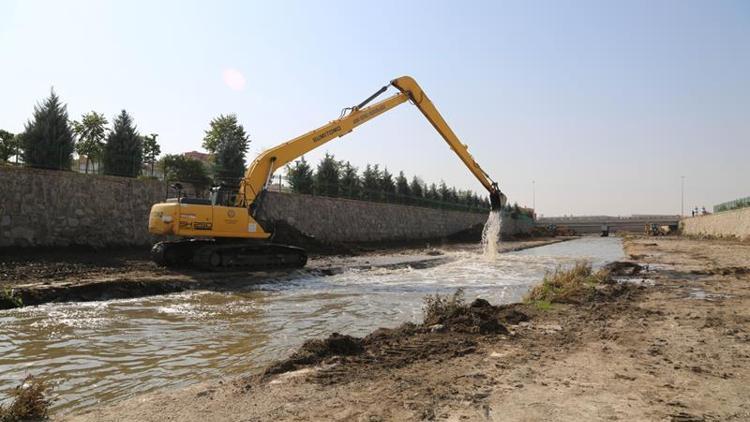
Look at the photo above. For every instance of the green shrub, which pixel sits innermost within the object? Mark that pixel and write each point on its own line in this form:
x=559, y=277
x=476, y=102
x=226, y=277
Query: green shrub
x=439, y=308
x=542, y=305
x=28, y=402
x=9, y=299
x=567, y=285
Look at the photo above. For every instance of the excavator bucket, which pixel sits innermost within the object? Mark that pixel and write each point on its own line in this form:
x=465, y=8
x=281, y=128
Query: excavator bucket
x=497, y=200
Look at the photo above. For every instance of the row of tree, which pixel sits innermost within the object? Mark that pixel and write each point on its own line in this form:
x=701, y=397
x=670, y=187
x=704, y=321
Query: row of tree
x=50, y=138
x=341, y=179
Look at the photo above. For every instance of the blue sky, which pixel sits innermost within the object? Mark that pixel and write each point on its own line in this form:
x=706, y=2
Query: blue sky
x=604, y=104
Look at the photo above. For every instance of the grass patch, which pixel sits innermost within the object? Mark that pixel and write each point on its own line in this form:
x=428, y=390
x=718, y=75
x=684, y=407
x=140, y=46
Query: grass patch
x=566, y=285
x=28, y=402
x=8, y=299
x=542, y=305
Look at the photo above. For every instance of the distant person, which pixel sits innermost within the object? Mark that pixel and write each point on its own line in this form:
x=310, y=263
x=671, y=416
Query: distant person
x=692, y=212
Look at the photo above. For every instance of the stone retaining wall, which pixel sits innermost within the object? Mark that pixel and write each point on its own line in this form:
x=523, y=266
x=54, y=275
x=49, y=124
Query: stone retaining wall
x=345, y=220
x=61, y=208
x=732, y=224
x=58, y=208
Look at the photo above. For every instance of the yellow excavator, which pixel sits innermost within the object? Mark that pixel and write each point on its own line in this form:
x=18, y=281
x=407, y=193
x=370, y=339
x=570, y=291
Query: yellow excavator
x=222, y=232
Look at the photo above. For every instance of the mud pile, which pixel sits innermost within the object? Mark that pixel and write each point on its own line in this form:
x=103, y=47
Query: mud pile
x=477, y=318
x=623, y=268
x=451, y=334
x=316, y=351
x=284, y=233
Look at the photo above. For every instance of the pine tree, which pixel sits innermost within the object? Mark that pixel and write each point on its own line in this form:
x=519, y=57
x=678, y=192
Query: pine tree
x=444, y=191
x=227, y=141
x=464, y=198
x=300, y=176
x=432, y=193
x=327, y=176
x=123, y=152
x=387, y=186
x=48, y=139
x=402, y=187
x=371, y=183
x=476, y=202
x=416, y=190
x=453, y=195
x=349, y=183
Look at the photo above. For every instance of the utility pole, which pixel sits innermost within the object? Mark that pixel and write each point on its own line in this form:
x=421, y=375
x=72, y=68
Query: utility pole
x=533, y=195
x=682, y=196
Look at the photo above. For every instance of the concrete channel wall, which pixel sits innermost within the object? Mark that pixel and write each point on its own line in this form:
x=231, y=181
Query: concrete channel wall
x=731, y=224
x=41, y=208
x=345, y=220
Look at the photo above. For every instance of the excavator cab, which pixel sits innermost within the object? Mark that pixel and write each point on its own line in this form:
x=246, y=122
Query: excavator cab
x=223, y=195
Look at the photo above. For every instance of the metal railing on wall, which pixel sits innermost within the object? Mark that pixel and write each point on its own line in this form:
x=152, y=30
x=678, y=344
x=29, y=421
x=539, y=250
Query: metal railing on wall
x=281, y=184
x=733, y=205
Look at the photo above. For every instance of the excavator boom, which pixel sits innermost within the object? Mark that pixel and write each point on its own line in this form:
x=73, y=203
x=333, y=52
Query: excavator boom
x=409, y=87
x=260, y=171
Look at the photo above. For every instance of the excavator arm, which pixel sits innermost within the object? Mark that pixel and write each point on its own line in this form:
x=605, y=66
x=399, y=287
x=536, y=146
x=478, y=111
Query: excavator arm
x=262, y=168
x=409, y=87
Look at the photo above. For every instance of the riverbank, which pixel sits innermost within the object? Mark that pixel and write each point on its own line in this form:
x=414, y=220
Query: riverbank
x=669, y=343
x=61, y=275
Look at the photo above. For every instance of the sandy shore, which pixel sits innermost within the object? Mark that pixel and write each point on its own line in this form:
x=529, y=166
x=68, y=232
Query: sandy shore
x=672, y=344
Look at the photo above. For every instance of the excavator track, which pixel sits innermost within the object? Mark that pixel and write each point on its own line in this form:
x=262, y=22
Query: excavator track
x=210, y=255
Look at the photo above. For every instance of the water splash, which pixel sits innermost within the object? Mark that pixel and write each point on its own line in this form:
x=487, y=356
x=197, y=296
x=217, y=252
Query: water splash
x=491, y=234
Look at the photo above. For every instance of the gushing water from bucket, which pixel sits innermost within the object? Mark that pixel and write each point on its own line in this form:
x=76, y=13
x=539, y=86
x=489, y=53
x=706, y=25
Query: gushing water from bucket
x=491, y=234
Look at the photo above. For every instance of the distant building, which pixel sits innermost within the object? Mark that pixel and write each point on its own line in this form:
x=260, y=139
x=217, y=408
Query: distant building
x=200, y=156
x=79, y=165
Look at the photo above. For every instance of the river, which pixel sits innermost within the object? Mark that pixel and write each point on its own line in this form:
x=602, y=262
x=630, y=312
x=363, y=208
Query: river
x=99, y=352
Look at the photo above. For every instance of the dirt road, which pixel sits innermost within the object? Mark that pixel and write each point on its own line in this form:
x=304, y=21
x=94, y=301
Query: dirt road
x=672, y=344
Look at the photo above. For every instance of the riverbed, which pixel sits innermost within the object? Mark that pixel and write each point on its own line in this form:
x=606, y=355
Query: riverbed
x=99, y=352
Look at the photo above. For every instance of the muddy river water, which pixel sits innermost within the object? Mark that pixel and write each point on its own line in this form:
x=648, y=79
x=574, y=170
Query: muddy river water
x=98, y=352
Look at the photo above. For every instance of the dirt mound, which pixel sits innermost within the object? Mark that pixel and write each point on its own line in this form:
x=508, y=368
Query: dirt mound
x=316, y=351
x=450, y=313
x=510, y=315
x=623, y=268
x=479, y=317
x=284, y=233
x=450, y=330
